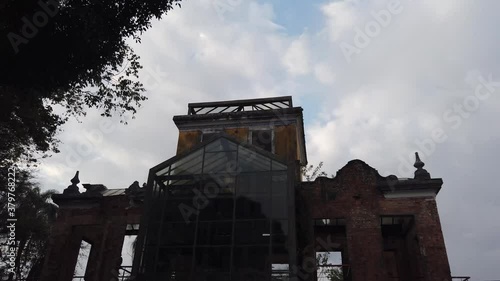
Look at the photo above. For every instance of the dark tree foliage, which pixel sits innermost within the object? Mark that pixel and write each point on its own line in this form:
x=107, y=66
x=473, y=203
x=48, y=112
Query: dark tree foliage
x=335, y=274
x=72, y=53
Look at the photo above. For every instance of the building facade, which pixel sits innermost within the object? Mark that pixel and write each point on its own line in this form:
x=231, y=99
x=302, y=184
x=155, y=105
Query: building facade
x=231, y=205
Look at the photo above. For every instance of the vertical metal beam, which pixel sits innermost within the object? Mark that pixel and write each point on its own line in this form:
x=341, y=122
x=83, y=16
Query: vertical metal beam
x=139, y=247
x=292, y=235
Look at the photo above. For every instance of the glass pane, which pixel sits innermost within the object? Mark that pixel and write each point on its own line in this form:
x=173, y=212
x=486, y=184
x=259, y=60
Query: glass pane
x=180, y=191
x=211, y=276
x=221, y=144
x=180, y=182
x=209, y=136
x=176, y=260
x=156, y=189
x=280, y=254
x=251, y=232
x=254, y=183
x=218, y=209
x=190, y=164
x=225, y=183
x=148, y=262
x=248, y=259
x=280, y=207
x=178, y=234
x=253, y=207
x=279, y=183
x=277, y=166
x=214, y=233
x=280, y=250
x=153, y=234
x=279, y=231
x=213, y=259
x=217, y=161
x=218, y=184
x=251, y=161
x=180, y=210
x=250, y=274
x=156, y=209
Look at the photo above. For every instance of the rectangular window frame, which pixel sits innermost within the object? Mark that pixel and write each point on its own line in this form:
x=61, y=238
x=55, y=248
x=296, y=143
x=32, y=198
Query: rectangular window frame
x=256, y=130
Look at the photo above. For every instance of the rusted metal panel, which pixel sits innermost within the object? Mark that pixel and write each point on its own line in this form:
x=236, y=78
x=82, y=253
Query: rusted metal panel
x=187, y=140
x=240, y=134
x=285, y=142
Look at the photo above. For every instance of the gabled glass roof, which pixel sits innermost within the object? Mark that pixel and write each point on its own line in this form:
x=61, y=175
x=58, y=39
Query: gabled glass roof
x=220, y=155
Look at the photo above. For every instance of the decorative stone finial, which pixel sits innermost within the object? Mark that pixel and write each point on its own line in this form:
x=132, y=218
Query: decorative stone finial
x=75, y=179
x=73, y=188
x=420, y=173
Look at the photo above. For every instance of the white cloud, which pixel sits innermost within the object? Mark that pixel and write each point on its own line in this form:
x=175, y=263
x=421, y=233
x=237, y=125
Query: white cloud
x=296, y=58
x=340, y=17
x=324, y=73
x=443, y=9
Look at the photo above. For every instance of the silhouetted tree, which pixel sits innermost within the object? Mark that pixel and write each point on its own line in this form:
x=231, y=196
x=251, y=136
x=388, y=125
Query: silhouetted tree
x=68, y=53
x=34, y=213
x=310, y=173
x=334, y=274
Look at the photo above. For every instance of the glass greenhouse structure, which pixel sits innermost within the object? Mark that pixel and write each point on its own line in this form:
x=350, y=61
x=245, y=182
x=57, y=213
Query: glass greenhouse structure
x=224, y=211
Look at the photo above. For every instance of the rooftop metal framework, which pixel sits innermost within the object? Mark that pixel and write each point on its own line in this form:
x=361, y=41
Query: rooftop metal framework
x=202, y=108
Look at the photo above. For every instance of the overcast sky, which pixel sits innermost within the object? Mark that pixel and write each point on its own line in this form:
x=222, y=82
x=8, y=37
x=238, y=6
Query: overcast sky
x=377, y=80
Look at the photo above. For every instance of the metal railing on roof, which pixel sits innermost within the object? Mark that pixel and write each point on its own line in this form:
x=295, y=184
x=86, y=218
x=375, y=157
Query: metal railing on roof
x=202, y=108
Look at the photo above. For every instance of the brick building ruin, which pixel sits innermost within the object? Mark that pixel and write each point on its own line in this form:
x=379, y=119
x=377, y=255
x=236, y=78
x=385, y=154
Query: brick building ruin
x=231, y=205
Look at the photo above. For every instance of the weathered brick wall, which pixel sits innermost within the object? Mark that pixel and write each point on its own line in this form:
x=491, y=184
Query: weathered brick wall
x=353, y=195
x=101, y=221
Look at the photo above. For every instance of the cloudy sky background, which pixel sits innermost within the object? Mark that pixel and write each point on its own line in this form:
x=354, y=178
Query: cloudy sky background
x=398, y=89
